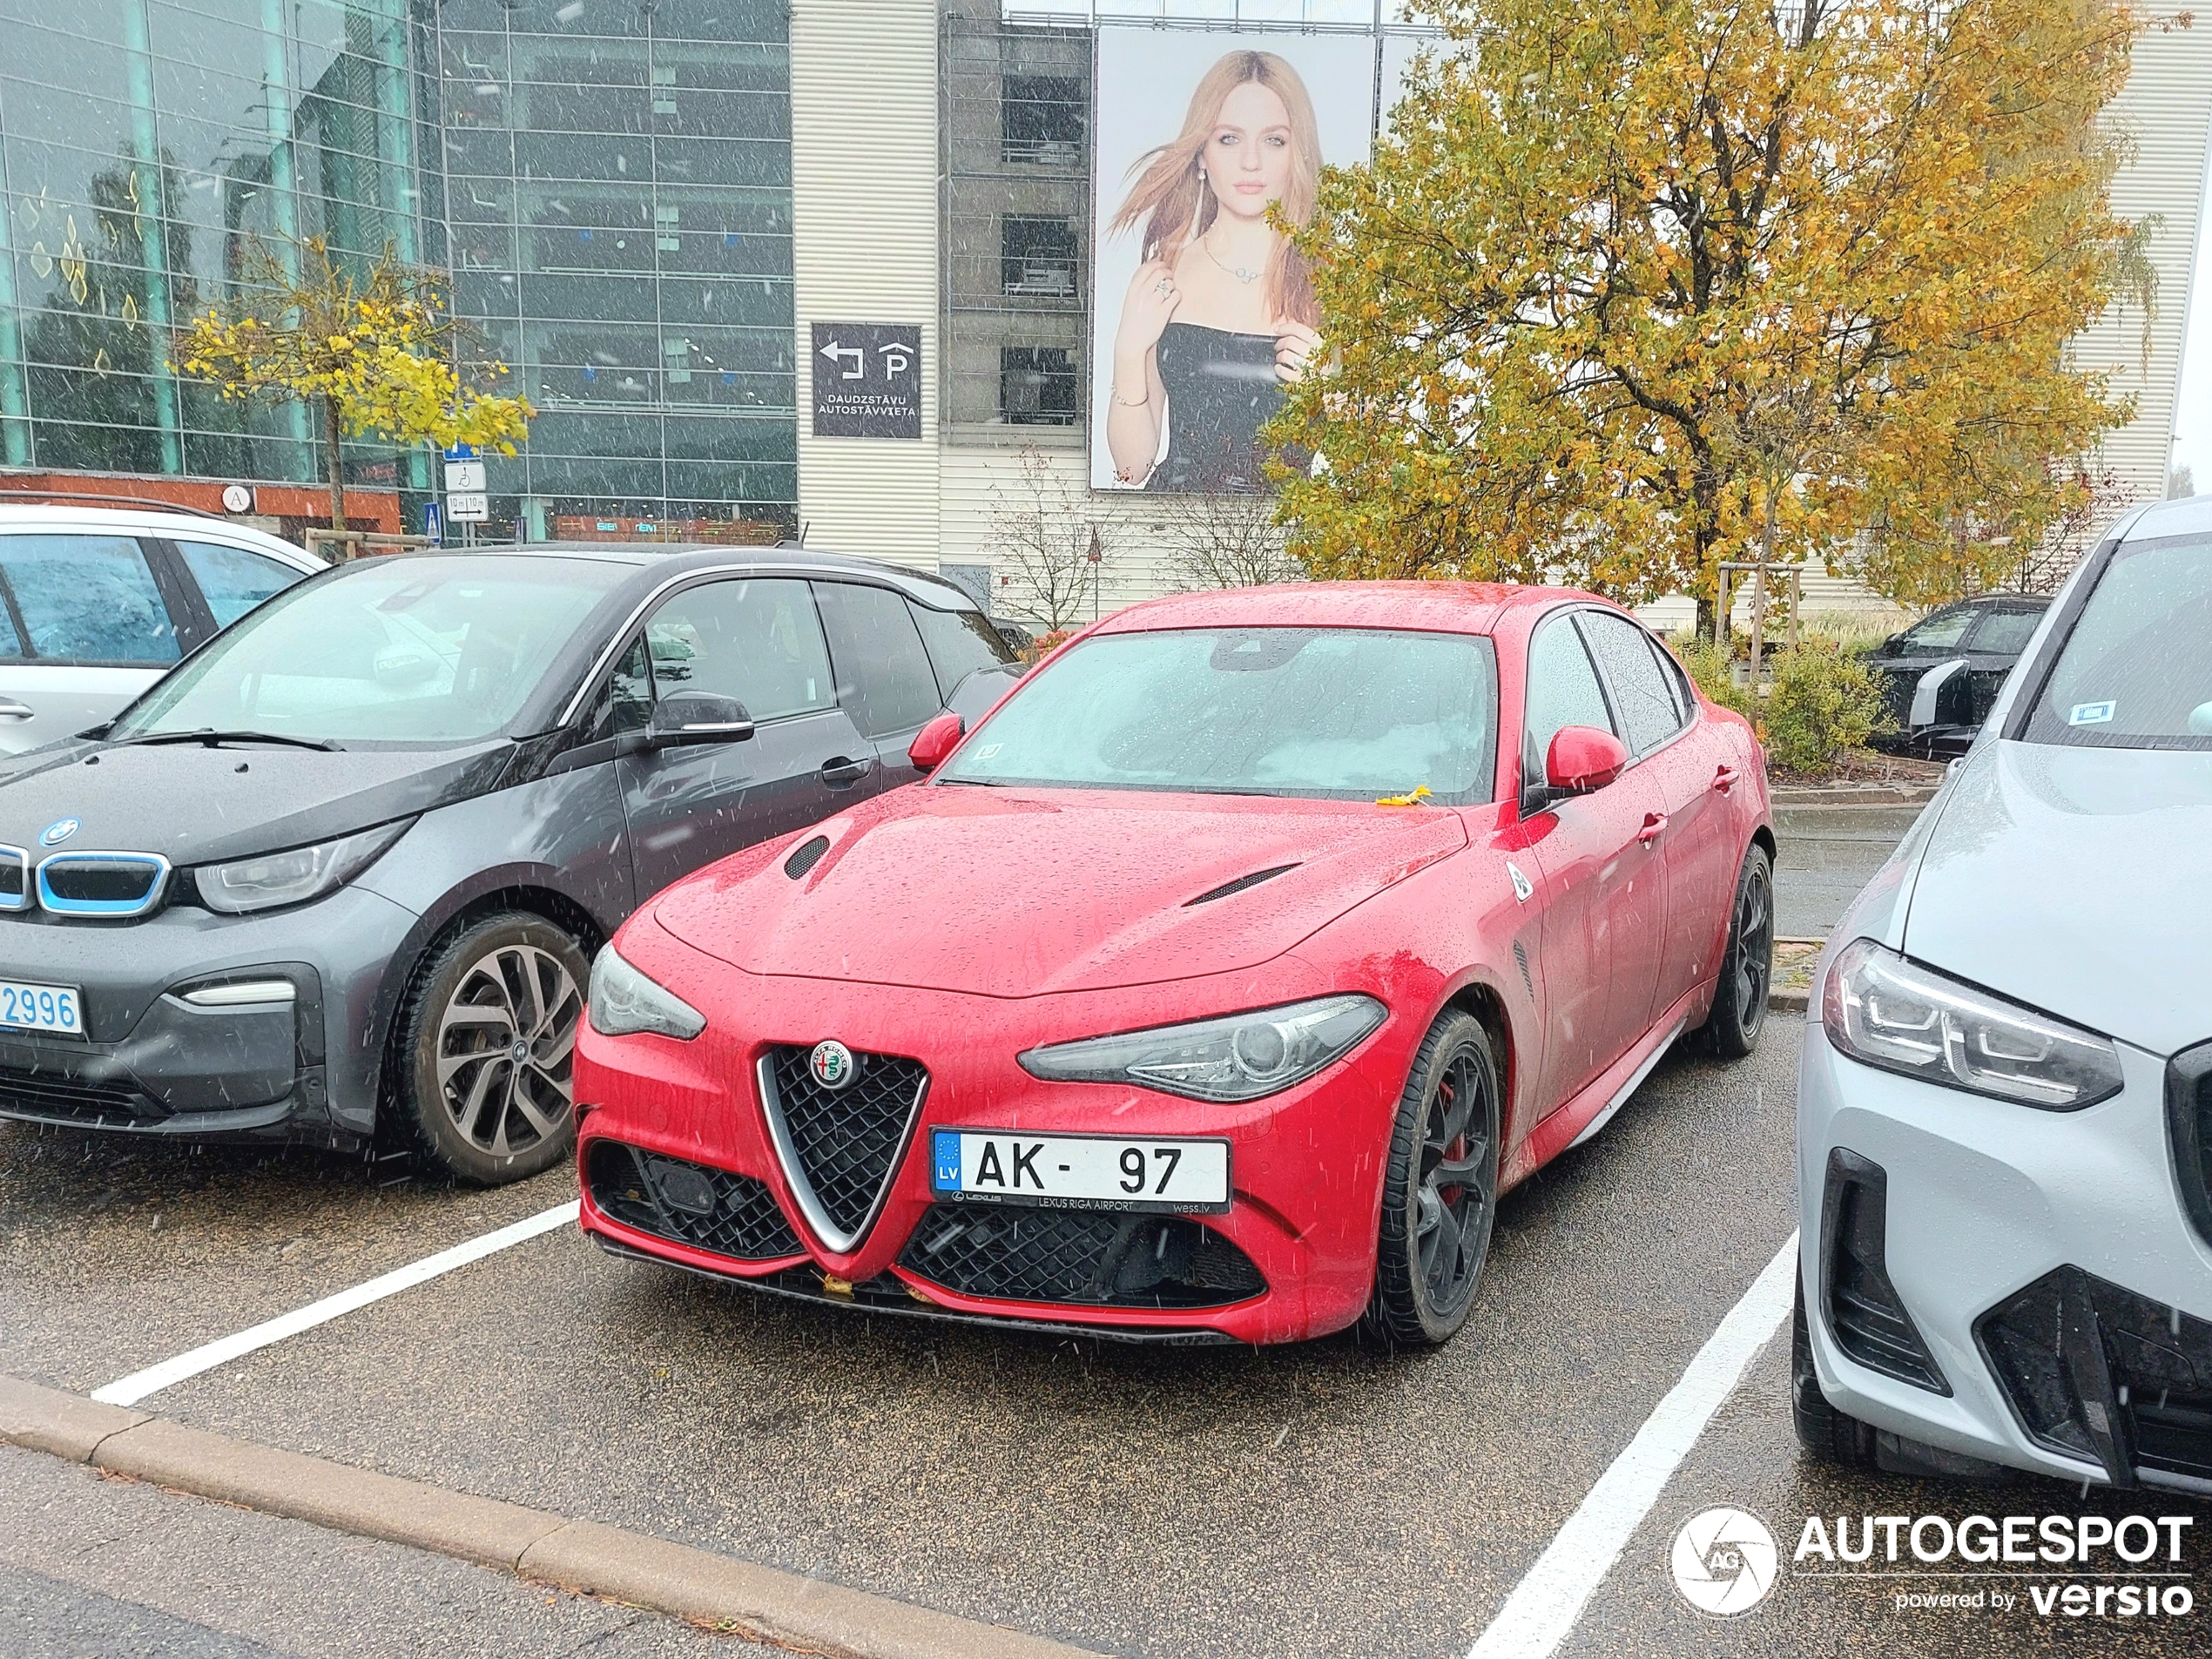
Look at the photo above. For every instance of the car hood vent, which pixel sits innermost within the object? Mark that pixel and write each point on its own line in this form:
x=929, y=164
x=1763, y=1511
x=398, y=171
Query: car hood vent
x=806, y=857
x=1239, y=884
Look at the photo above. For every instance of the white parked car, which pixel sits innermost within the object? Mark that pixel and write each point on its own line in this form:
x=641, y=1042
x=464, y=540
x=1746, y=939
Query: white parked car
x=2005, y=1099
x=97, y=602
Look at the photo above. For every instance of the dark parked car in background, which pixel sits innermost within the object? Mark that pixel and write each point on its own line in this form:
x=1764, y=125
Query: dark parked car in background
x=1941, y=675
x=341, y=872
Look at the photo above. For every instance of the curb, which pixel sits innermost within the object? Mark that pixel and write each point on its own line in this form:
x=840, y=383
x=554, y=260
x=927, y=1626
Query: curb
x=1789, y=1001
x=1853, y=795
x=732, y=1596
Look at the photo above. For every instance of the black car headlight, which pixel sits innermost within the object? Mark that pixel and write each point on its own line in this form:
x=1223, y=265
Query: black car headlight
x=296, y=875
x=1236, y=1057
x=1885, y=1010
x=624, y=1001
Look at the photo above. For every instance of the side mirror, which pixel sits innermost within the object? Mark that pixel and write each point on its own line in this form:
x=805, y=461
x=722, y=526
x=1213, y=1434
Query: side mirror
x=1583, y=759
x=936, y=740
x=683, y=718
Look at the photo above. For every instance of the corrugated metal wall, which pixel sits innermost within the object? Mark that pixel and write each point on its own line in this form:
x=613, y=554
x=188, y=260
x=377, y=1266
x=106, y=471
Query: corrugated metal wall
x=864, y=176
x=2167, y=112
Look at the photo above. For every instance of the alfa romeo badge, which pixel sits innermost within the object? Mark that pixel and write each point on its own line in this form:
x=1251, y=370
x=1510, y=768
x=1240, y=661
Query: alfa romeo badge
x=832, y=1064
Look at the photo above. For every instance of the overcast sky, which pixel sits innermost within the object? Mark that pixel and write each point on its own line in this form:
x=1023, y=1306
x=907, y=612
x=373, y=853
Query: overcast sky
x=2193, y=418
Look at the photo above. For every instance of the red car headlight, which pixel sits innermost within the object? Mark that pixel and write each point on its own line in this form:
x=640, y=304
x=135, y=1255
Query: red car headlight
x=1233, y=1057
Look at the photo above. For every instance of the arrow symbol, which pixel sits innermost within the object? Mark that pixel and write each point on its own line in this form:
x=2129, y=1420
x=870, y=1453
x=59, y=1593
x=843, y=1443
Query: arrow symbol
x=836, y=354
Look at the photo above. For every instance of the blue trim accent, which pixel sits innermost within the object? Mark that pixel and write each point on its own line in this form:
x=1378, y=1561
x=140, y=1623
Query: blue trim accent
x=109, y=908
x=22, y=899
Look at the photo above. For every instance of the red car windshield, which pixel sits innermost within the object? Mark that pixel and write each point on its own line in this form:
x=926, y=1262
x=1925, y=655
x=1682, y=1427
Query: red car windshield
x=1329, y=713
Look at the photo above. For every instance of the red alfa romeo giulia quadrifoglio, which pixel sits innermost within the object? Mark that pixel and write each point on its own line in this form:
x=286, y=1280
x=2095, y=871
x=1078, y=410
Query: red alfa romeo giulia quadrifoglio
x=1213, y=987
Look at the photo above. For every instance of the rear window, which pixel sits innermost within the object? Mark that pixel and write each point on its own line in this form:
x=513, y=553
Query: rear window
x=2134, y=670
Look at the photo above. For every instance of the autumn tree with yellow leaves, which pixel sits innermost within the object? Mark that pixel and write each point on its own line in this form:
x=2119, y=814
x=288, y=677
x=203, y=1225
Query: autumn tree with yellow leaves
x=1633, y=286
x=372, y=352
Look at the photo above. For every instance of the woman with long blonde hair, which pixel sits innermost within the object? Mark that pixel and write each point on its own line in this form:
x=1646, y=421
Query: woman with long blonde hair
x=1221, y=311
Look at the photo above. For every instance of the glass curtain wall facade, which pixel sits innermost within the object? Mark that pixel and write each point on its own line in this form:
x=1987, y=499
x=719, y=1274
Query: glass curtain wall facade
x=607, y=182
x=617, y=183
x=142, y=142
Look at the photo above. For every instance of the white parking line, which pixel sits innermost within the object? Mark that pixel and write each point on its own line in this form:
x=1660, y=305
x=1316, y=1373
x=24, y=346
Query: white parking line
x=1544, y=1606
x=139, y=1384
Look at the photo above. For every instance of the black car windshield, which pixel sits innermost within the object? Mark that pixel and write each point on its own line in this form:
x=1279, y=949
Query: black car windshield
x=1333, y=713
x=2135, y=670
x=432, y=650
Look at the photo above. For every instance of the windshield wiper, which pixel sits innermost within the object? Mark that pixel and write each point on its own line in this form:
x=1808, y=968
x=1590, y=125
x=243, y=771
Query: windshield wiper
x=212, y=737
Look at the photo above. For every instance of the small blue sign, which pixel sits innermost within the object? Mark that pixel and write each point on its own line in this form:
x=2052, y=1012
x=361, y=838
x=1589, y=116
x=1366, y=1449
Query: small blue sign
x=461, y=452
x=944, y=1157
x=2091, y=714
x=432, y=526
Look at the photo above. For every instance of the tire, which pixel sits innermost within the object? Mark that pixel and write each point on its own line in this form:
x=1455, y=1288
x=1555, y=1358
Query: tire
x=1732, y=1030
x=1832, y=1436
x=472, y=1103
x=1435, y=1233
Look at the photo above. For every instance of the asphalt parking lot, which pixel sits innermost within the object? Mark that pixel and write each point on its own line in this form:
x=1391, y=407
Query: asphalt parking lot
x=1315, y=1499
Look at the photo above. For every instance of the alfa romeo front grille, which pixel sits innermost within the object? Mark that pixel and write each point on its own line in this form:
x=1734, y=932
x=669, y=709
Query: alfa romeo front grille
x=1100, y=1257
x=839, y=1147
x=690, y=1203
x=103, y=884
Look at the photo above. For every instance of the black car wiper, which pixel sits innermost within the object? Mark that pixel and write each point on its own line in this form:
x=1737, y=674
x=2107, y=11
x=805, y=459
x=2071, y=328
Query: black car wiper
x=212, y=737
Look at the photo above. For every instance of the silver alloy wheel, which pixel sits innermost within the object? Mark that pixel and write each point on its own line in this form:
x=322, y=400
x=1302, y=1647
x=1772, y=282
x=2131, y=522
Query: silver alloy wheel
x=507, y=1049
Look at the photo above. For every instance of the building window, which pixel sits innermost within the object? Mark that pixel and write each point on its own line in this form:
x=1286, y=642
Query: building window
x=1037, y=256
x=1041, y=119
x=1038, y=386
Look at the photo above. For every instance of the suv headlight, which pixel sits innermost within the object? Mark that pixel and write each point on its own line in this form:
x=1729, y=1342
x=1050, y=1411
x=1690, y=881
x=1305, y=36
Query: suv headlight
x=1236, y=1057
x=1883, y=1009
x=625, y=1003
x=293, y=876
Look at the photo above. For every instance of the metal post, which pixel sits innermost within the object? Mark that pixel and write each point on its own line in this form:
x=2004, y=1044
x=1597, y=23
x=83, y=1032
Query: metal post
x=153, y=255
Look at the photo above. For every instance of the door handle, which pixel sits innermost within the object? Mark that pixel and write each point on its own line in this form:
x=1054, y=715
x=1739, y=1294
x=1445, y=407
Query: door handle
x=1653, y=823
x=1724, y=779
x=11, y=710
x=842, y=772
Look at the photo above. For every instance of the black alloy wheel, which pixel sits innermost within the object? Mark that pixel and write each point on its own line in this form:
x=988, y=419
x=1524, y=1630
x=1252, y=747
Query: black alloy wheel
x=1441, y=1196
x=1732, y=1030
x=489, y=1043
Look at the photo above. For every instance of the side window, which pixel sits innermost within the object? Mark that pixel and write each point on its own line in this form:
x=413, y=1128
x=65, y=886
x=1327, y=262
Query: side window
x=759, y=642
x=883, y=674
x=1677, y=682
x=1563, y=690
x=2005, y=633
x=959, y=643
x=86, y=598
x=1623, y=653
x=625, y=699
x=233, y=580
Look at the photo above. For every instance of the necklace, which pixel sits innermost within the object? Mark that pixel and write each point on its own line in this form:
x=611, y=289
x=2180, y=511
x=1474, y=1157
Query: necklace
x=1238, y=270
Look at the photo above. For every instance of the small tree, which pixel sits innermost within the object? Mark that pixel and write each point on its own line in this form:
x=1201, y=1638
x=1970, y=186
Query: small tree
x=1046, y=542
x=372, y=353
x=1226, y=542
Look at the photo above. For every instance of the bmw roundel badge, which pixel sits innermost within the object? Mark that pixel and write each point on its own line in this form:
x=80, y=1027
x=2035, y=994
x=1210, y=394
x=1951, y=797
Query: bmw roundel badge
x=58, y=832
x=832, y=1064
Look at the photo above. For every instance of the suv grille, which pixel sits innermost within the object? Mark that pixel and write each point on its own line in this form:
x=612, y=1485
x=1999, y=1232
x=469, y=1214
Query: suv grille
x=2189, y=1120
x=1100, y=1257
x=840, y=1146
x=2094, y=1371
x=691, y=1204
x=15, y=878
x=102, y=884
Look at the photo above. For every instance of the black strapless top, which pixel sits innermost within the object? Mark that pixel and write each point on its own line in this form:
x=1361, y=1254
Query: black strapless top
x=1221, y=390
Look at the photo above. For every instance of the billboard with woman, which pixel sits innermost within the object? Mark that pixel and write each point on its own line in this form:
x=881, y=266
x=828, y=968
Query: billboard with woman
x=1202, y=310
